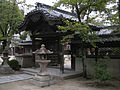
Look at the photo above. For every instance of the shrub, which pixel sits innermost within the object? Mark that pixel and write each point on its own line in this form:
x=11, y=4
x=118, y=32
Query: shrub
x=101, y=72
x=14, y=64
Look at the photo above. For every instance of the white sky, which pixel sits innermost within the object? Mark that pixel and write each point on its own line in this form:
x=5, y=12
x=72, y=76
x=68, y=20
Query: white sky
x=48, y=2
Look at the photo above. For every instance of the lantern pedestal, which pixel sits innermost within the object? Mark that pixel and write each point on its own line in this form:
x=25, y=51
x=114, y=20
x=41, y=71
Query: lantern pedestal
x=5, y=68
x=42, y=78
x=43, y=81
x=43, y=64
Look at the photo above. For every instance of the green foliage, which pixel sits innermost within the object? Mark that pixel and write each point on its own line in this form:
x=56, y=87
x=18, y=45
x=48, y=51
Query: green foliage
x=81, y=29
x=100, y=68
x=10, y=17
x=88, y=9
x=14, y=64
x=23, y=36
x=84, y=10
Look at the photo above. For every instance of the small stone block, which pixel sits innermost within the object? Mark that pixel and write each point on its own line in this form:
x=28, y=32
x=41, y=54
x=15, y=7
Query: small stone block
x=42, y=83
x=42, y=78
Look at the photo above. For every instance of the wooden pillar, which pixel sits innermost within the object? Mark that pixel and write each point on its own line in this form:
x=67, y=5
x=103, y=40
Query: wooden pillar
x=33, y=49
x=72, y=62
x=72, y=58
x=62, y=60
x=96, y=54
x=61, y=55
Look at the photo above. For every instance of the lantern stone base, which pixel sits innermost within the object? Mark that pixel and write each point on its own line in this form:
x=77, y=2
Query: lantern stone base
x=43, y=80
x=5, y=69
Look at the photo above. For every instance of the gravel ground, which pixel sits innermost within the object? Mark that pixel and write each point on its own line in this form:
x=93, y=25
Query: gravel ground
x=70, y=84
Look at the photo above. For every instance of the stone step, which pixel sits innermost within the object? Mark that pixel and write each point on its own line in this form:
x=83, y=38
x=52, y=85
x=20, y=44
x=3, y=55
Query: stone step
x=29, y=70
x=30, y=73
x=54, y=72
x=33, y=74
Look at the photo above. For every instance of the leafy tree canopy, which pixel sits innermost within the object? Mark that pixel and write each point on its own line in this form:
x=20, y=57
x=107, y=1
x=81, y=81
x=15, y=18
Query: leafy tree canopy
x=89, y=12
x=92, y=9
x=10, y=17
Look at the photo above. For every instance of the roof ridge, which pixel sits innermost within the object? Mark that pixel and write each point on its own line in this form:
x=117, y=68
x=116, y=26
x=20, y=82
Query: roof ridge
x=48, y=6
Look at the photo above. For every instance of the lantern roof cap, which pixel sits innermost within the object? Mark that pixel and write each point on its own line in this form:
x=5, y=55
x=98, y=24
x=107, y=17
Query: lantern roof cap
x=43, y=50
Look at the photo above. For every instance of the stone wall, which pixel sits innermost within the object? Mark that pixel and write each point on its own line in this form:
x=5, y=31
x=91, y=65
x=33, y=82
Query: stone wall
x=113, y=66
x=25, y=60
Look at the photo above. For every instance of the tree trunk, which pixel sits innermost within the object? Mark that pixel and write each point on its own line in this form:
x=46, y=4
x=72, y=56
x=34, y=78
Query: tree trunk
x=4, y=44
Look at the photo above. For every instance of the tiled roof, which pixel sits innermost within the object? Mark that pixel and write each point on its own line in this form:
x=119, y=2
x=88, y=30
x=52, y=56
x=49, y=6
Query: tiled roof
x=25, y=43
x=107, y=40
x=55, y=12
x=52, y=15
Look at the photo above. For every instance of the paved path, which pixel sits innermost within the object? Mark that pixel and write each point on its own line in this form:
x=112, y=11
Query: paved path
x=12, y=78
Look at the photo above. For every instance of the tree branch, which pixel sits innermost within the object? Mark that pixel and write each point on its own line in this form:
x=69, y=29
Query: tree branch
x=6, y=28
x=1, y=30
x=78, y=13
x=91, y=4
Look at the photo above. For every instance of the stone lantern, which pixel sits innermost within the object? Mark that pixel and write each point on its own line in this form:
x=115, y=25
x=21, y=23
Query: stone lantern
x=42, y=78
x=5, y=68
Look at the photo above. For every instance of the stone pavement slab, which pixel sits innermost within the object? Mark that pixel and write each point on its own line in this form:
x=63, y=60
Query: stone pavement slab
x=12, y=78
